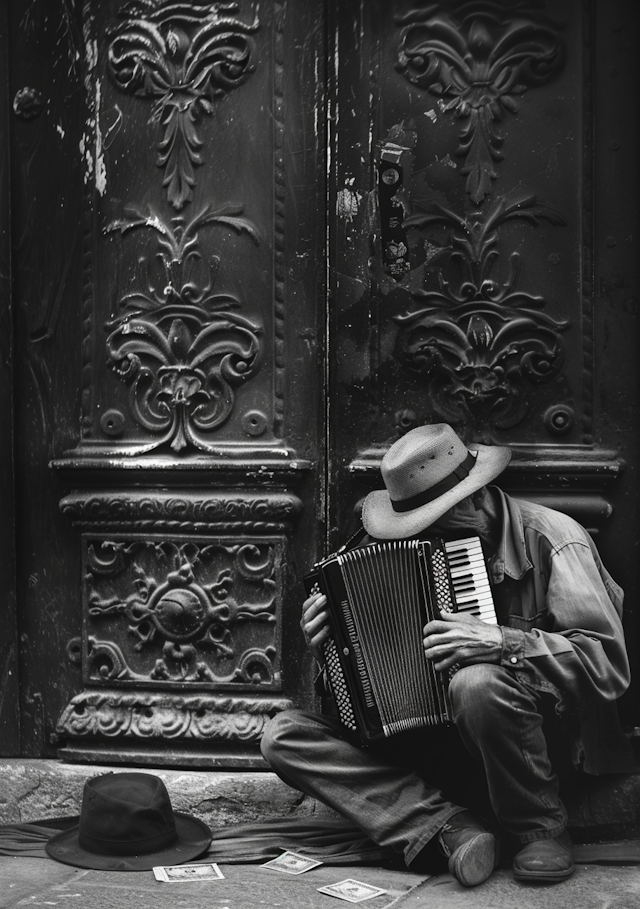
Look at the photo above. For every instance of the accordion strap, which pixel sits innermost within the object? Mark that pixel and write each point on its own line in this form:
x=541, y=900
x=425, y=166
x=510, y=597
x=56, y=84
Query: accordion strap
x=353, y=541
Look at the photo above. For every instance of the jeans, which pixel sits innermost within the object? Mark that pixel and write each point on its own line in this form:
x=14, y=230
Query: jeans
x=402, y=791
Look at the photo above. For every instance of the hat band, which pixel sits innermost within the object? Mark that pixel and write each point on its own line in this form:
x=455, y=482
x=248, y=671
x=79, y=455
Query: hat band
x=127, y=847
x=434, y=492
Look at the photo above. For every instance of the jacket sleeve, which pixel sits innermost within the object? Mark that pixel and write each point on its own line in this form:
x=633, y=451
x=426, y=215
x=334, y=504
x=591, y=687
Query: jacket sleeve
x=583, y=652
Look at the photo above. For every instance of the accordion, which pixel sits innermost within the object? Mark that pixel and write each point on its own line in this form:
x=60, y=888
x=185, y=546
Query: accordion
x=380, y=597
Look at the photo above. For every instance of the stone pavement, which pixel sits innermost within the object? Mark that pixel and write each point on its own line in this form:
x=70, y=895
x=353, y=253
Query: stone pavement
x=26, y=882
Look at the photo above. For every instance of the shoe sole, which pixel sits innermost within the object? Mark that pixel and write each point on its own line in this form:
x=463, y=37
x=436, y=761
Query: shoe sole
x=474, y=861
x=544, y=877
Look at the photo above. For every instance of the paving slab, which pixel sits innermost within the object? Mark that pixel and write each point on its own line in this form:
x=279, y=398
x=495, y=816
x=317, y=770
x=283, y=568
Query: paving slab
x=34, y=882
x=591, y=887
x=28, y=882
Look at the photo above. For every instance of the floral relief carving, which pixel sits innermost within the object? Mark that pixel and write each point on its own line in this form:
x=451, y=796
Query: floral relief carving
x=162, y=611
x=181, y=348
x=484, y=345
x=478, y=60
x=185, y=56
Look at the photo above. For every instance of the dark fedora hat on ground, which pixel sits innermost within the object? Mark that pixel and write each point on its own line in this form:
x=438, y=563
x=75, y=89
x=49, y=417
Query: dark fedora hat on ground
x=127, y=824
x=427, y=472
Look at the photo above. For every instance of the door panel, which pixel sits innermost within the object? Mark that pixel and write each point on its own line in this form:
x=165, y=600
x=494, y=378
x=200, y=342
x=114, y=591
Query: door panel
x=479, y=274
x=170, y=222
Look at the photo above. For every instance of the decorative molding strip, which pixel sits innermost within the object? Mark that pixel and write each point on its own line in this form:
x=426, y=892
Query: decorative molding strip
x=181, y=510
x=588, y=276
x=574, y=479
x=144, y=715
x=477, y=60
x=184, y=56
x=279, y=220
x=536, y=466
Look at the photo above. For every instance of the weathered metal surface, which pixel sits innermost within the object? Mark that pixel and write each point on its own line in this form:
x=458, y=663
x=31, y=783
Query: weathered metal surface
x=171, y=238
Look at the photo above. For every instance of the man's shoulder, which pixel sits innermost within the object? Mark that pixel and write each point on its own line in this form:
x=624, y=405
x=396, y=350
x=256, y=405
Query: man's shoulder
x=556, y=526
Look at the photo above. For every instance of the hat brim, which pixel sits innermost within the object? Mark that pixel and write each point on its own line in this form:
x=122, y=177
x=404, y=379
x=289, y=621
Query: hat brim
x=382, y=522
x=194, y=837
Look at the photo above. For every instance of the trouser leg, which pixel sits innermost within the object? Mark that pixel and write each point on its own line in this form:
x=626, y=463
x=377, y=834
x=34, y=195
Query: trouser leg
x=391, y=803
x=499, y=720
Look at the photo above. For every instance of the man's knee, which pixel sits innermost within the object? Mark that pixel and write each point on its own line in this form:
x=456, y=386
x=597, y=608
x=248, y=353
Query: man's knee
x=288, y=733
x=481, y=691
x=275, y=735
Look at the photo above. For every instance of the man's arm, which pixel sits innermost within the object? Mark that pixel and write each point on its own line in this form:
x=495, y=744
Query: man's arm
x=583, y=655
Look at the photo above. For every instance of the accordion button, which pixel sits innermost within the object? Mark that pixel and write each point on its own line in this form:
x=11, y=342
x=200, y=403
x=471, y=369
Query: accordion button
x=345, y=650
x=513, y=659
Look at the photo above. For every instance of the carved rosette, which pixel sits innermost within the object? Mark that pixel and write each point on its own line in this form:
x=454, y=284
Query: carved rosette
x=203, y=612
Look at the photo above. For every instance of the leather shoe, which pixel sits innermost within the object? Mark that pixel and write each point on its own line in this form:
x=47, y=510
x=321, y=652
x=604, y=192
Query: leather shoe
x=469, y=847
x=545, y=860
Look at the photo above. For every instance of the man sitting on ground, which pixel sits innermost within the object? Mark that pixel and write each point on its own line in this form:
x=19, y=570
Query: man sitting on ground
x=546, y=677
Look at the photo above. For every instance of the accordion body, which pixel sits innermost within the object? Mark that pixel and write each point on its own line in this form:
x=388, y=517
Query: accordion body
x=380, y=597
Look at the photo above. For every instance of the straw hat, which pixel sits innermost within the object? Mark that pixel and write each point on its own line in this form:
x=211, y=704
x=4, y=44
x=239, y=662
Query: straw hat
x=127, y=824
x=427, y=472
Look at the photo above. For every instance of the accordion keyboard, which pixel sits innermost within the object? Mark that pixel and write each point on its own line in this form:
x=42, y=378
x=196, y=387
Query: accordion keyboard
x=469, y=579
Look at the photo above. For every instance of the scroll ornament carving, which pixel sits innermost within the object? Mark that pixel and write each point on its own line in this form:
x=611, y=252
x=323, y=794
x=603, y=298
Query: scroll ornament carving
x=190, y=625
x=185, y=56
x=179, y=347
x=478, y=60
x=145, y=715
x=484, y=346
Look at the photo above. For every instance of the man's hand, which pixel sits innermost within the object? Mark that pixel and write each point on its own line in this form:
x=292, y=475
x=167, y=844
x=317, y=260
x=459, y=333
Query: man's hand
x=315, y=623
x=461, y=639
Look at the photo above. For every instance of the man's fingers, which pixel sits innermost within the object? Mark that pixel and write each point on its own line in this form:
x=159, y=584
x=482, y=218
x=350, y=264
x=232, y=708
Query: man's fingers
x=321, y=620
x=319, y=637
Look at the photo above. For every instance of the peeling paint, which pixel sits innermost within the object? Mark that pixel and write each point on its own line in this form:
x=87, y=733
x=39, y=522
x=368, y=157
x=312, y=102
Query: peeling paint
x=348, y=201
x=116, y=126
x=101, y=168
x=95, y=162
x=447, y=160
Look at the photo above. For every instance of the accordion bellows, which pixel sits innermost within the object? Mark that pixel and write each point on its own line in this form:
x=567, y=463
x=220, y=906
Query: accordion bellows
x=380, y=597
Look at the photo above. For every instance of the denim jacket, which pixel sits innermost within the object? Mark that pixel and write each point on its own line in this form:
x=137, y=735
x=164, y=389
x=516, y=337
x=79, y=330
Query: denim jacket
x=560, y=613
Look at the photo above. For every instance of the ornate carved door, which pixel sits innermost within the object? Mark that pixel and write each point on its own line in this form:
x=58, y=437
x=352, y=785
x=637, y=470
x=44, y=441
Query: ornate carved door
x=195, y=421
x=483, y=272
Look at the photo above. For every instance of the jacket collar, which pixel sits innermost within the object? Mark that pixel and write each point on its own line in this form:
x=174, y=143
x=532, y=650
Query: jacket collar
x=511, y=556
